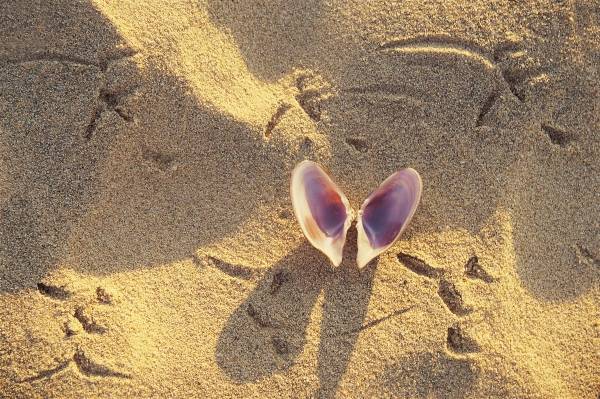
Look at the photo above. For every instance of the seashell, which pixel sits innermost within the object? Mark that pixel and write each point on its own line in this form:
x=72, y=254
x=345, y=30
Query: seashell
x=385, y=214
x=325, y=215
x=321, y=208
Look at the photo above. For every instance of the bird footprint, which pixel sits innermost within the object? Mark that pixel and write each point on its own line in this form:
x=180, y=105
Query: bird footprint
x=457, y=340
x=80, y=322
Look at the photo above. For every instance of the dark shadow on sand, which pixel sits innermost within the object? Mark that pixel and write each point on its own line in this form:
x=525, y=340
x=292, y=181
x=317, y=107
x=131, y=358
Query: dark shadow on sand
x=268, y=331
x=47, y=167
x=159, y=182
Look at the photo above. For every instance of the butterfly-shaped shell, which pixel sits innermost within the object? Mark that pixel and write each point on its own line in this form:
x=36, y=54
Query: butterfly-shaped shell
x=321, y=208
x=325, y=215
x=385, y=214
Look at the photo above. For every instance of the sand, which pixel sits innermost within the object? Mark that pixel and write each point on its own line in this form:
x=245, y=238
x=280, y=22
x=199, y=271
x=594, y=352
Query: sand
x=148, y=248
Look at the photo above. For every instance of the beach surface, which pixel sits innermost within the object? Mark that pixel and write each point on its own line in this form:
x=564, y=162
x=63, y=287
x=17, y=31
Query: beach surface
x=148, y=248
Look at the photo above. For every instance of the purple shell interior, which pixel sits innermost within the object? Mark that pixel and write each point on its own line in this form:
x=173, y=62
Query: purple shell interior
x=326, y=206
x=389, y=207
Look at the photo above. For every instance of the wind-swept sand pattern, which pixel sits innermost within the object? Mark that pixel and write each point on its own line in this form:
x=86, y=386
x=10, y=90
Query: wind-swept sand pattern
x=147, y=243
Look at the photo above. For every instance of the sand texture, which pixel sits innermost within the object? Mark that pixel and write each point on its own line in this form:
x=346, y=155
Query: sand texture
x=148, y=248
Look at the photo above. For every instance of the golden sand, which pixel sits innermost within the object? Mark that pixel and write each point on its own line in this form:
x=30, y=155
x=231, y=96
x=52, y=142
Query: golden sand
x=147, y=244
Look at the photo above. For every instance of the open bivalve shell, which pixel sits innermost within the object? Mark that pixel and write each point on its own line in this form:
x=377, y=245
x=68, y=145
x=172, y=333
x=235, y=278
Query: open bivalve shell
x=321, y=208
x=386, y=212
x=325, y=215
